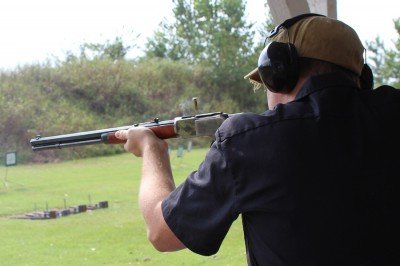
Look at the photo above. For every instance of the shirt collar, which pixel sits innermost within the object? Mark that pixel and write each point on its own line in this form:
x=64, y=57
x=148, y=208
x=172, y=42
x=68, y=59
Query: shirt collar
x=324, y=81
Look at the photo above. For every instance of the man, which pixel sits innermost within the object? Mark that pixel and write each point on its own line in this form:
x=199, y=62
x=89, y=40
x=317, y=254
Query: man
x=315, y=178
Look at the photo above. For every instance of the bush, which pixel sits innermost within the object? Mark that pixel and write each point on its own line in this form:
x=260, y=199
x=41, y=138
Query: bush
x=81, y=95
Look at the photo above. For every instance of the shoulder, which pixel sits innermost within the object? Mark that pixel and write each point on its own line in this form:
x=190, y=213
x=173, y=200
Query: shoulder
x=384, y=96
x=387, y=91
x=240, y=123
x=268, y=122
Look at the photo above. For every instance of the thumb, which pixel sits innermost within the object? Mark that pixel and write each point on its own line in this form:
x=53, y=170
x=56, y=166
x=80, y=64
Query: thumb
x=122, y=134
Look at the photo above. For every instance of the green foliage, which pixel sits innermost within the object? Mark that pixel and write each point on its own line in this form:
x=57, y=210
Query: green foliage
x=205, y=53
x=80, y=95
x=214, y=31
x=386, y=62
x=30, y=104
x=110, y=50
x=216, y=36
x=378, y=50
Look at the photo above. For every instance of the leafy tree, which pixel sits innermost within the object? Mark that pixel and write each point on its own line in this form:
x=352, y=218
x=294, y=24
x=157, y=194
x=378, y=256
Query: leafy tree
x=386, y=62
x=215, y=35
x=204, y=30
x=109, y=50
x=378, y=51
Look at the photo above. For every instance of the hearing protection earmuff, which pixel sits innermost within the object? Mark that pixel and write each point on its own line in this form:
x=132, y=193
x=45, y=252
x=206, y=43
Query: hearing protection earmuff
x=278, y=63
x=366, y=78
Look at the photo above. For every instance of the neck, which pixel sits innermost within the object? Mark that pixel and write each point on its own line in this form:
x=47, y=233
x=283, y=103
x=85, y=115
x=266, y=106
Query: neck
x=281, y=98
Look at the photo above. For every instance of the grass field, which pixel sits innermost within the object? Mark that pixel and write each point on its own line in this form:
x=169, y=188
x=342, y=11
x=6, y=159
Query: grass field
x=112, y=236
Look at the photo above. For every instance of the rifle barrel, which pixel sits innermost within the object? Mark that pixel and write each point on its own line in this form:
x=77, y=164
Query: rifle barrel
x=163, y=129
x=201, y=125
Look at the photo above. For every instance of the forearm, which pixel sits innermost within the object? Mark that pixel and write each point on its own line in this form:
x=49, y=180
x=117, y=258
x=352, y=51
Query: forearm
x=156, y=183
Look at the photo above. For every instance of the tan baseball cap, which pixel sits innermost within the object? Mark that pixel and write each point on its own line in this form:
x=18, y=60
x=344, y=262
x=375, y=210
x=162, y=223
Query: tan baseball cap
x=322, y=38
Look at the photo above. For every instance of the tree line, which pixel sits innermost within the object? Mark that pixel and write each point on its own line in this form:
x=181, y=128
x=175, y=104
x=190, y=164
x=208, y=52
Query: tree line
x=203, y=52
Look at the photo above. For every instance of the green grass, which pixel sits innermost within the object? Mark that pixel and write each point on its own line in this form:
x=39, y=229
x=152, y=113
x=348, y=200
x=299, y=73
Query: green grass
x=113, y=236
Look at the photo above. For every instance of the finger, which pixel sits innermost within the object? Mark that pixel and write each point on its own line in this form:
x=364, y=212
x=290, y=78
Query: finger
x=122, y=134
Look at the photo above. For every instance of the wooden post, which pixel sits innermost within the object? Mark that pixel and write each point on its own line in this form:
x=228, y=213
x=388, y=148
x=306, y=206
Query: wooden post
x=284, y=9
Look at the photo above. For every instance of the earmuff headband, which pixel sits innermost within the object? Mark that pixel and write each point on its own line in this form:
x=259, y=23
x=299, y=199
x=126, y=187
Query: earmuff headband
x=278, y=62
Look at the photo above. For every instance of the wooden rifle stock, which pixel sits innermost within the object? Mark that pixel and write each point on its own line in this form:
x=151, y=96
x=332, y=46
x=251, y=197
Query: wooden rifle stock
x=163, y=132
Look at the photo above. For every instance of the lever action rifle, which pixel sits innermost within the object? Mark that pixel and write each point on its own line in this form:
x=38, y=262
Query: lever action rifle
x=183, y=127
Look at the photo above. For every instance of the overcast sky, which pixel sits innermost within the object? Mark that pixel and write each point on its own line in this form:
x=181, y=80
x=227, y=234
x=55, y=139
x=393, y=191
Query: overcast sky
x=33, y=30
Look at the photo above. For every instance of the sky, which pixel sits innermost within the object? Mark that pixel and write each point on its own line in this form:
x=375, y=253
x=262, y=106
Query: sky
x=34, y=30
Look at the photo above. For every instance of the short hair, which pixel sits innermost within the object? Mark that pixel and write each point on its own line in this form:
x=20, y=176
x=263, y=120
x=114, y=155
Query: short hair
x=312, y=67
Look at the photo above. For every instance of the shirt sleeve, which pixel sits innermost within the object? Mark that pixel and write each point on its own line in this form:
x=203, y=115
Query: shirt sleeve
x=201, y=210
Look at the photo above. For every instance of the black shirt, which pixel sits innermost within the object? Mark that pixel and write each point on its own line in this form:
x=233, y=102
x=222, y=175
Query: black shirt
x=316, y=180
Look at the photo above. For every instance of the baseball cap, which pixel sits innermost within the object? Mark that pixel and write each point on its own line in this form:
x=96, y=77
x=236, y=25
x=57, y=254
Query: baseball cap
x=322, y=38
